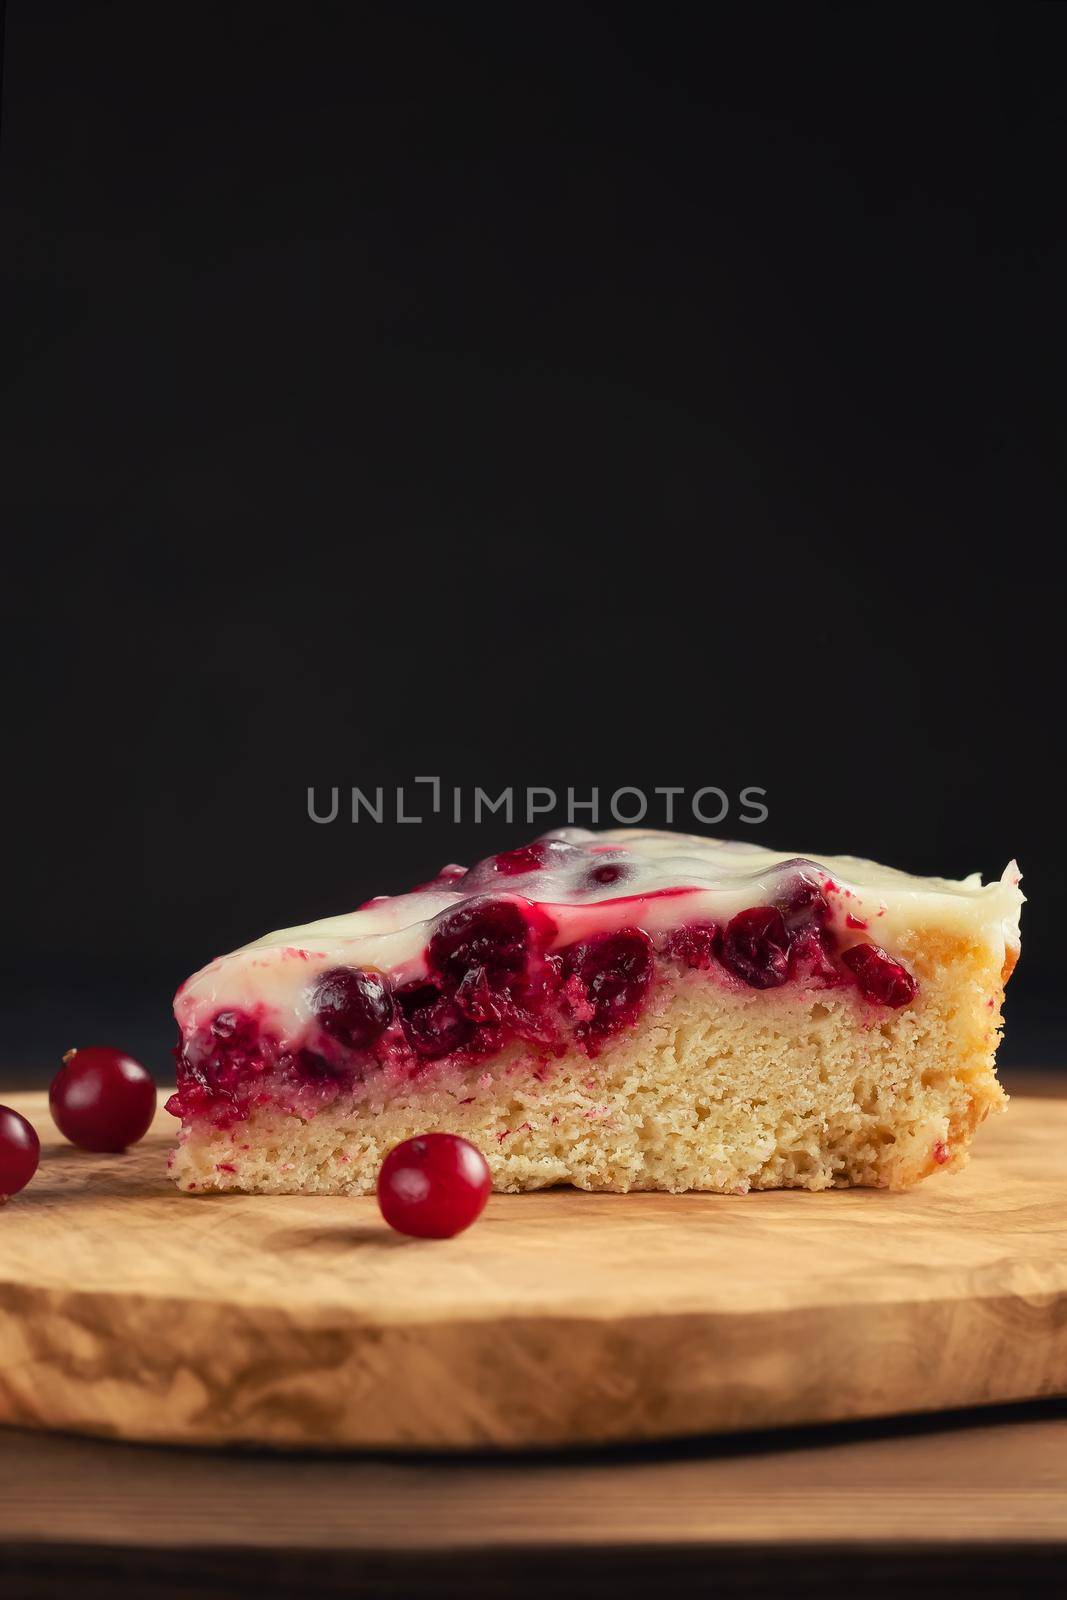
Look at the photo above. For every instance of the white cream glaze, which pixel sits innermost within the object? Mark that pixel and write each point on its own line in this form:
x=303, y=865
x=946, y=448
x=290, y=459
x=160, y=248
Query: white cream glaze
x=720, y=877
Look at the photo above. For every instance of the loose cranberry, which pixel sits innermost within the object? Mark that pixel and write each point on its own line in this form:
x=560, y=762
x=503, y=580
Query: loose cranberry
x=693, y=946
x=755, y=947
x=102, y=1100
x=434, y=1186
x=878, y=976
x=20, y=1151
x=352, y=1006
x=492, y=934
x=615, y=970
x=433, y=1022
x=527, y=858
x=608, y=873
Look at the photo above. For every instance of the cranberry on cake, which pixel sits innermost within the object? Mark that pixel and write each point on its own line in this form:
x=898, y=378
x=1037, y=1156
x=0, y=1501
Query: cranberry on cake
x=621, y=1010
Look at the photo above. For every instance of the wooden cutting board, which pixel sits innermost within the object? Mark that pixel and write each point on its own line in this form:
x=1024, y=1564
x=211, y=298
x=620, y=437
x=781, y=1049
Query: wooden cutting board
x=128, y=1309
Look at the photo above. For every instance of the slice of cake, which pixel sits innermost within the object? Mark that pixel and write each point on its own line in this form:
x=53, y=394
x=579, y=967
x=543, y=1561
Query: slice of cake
x=624, y=1010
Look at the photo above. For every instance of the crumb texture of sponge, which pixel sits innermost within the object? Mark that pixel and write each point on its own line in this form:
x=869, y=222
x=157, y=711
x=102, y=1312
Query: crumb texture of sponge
x=716, y=1088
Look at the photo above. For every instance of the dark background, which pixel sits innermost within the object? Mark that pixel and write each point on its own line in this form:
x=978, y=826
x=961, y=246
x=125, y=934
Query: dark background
x=534, y=395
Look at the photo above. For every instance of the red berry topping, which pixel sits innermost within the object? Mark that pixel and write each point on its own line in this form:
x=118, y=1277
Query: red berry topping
x=229, y=1024
x=541, y=855
x=806, y=914
x=102, y=1100
x=492, y=934
x=20, y=1151
x=608, y=873
x=755, y=947
x=614, y=971
x=352, y=1006
x=478, y=1000
x=432, y=1021
x=878, y=976
x=693, y=946
x=804, y=907
x=510, y=863
x=434, y=1186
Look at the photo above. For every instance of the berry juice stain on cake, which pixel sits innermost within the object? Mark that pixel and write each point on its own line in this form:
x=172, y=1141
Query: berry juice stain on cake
x=741, y=1026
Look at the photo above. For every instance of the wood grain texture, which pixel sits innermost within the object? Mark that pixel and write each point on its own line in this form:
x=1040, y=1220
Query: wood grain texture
x=127, y=1309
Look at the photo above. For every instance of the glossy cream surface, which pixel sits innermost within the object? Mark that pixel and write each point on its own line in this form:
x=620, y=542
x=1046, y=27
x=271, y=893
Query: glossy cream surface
x=668, y=879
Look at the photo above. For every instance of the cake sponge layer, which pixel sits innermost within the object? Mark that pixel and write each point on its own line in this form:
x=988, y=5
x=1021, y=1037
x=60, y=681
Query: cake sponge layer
x=715, y=1088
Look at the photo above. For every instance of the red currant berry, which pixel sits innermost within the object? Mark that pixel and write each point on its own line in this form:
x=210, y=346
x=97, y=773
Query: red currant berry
x=434, y=1186
x=20, y=1151
x=102, y=1100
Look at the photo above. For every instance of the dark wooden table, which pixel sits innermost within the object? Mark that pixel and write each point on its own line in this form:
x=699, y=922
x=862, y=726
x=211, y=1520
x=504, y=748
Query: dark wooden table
x=976, y=1500
x=980, y=1500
